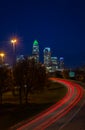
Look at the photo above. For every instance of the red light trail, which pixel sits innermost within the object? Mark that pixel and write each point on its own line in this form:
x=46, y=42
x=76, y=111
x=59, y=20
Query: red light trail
x=57, y=111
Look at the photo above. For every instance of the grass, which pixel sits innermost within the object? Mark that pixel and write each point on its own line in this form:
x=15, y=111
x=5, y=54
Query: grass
x=11, y=112
x=51, y=95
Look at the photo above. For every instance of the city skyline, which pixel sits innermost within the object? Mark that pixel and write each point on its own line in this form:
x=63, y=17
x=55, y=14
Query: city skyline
x=59, y=25
x=40, y=55
x=48, y=59
x=52, y=63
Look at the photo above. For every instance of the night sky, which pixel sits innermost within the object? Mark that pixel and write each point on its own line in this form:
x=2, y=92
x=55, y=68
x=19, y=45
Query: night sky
x=58, y=24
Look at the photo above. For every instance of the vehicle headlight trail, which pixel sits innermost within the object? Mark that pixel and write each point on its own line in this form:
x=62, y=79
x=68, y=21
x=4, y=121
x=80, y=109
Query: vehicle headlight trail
x=45, y=120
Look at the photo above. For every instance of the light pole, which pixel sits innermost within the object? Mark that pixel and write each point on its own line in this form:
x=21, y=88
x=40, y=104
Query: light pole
x=14, y=41
x=2, y=57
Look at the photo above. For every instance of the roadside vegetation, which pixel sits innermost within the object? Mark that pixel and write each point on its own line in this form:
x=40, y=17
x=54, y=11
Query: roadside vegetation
x=26, y=91
x=13, y=112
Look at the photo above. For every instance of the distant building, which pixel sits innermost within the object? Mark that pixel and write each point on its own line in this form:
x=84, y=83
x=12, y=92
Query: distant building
x=35, y=51
x=54, y=63
x=47, y=57
x=61, y=63
x=20, y=58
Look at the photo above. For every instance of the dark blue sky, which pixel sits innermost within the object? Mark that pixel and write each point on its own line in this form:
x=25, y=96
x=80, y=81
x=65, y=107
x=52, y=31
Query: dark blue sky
x=59, y=24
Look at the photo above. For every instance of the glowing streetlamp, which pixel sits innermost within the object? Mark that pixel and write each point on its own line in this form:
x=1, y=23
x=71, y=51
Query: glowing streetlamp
x=2, y=56
x=14, y=42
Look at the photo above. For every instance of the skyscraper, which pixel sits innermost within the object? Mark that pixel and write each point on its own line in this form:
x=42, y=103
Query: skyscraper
x=47, y=57
x=61, y=63
x=54, y=63
x=35, y=51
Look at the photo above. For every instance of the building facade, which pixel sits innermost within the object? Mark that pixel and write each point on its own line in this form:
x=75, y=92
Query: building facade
x=20, y=58
x=61, y=63
x=35, y=51
x=47, y=57
x=54, y=63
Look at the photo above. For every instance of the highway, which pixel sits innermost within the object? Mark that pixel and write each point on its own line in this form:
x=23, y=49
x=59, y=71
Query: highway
x=57, y=116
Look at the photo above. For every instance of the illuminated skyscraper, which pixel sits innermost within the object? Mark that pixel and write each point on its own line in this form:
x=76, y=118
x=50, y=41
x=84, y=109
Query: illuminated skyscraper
x=54, y=63
x=35, y=51
x=47, y=57
x=61, y=63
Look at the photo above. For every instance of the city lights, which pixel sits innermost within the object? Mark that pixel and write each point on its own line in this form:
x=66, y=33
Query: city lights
x=2, y=55
x=14, y=42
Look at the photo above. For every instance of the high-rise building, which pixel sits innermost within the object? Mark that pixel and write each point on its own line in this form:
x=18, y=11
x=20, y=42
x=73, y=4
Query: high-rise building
x=54, y=63
x=35, y=51
x=61, y=63
x=47, y=57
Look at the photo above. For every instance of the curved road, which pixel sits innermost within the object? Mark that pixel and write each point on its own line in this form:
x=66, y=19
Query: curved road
x=55, y=117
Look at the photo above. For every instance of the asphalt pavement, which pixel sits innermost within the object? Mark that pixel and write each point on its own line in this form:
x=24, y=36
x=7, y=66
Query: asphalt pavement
x=59, y=115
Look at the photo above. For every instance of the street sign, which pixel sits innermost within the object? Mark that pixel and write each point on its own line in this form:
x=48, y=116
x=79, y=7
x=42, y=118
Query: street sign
x=71, y=74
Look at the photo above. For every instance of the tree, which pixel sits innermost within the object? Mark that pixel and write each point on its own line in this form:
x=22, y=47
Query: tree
x=18, y=74
x=29, y=76
x=4, y=79
x=65, y=74
x=58, y=74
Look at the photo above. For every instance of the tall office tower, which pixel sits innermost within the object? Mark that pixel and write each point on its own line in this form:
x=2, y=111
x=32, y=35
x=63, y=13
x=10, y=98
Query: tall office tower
x=61, y=63
x=54, y=63
x=47, y=57
x=35, y=51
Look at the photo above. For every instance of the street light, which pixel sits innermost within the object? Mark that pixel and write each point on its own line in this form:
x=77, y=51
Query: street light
x=2, y=57
x=14, y=42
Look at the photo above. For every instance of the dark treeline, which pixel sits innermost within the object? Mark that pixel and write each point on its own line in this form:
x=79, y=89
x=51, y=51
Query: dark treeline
x=26, y=76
